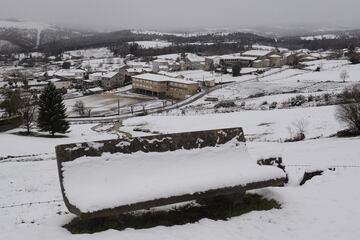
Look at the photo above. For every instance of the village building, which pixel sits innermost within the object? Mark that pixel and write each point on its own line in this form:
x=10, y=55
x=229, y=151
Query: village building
x=194, y=62
x=90, y=83
x=276, y=60
x=113, y=79
x=96, y=76
x=211, y=62
x=164, y=86
x=289, y=58
x=259, y=54
x=60, y=83
x=160, y=65
x=70, y=74
x=261, y=63
x=230, y=60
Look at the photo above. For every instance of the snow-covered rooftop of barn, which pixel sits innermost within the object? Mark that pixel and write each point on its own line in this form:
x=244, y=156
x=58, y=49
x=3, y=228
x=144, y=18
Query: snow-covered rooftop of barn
x=162, y=78
x=110, y=74
x=111, y=180
x=54, y=80
x=194, y=58
x=68, y=72
x=256, y=53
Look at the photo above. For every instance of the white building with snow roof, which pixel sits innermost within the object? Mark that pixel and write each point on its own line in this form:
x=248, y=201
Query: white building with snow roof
x=164, y=86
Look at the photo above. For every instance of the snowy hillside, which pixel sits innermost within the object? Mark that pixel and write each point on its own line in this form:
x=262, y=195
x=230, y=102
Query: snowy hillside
x=22, y=25
x=31, y=35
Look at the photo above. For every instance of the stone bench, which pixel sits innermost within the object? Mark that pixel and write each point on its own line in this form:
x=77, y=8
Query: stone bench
x=112, y=177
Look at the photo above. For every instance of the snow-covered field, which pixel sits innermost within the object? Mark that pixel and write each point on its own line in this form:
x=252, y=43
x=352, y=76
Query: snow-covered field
x=107, y=103
x=264, y=125
x=15, y=145
x=275, y=85
x=101, y=103
x=320, y=37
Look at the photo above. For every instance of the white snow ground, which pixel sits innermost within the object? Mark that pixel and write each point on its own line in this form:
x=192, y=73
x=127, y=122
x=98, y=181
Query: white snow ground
x=326, y=207
x=263, y=125
x=15, y=145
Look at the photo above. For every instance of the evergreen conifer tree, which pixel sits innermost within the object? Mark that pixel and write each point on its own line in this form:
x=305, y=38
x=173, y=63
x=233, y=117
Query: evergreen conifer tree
x=52, y=111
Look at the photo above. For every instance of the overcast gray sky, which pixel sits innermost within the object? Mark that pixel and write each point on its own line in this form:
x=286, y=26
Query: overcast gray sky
x=168, y=14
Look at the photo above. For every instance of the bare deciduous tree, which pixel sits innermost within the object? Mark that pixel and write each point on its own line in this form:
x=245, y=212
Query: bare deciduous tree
x=28, y=111
x=349, y=111
x=344, y=75
x=79, y=107
x=300, y=126
x=297, y=130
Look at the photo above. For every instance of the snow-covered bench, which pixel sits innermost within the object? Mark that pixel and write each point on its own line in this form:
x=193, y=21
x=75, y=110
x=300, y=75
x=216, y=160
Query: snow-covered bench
x=101, y=178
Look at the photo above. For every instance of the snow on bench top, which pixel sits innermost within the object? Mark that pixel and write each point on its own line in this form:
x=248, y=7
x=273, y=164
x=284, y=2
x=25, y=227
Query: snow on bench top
x=112, y=180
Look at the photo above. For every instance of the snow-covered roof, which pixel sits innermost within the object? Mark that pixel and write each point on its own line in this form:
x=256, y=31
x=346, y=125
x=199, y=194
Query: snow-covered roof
x=169, y=74
x=136, y=70
x=162, y=78
x=68, y=72
x=275, y=56
x=256, y=53
x=161, y=61
x=96, y=89
x=54, y=80
x=263, y=47
x=195, y=58
x=213, y=57
x=110, y=74
x=169, y=56
x=97, y=74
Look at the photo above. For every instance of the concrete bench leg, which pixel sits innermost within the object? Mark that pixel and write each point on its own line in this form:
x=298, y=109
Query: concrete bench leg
x=122, y=219
x=234, y=199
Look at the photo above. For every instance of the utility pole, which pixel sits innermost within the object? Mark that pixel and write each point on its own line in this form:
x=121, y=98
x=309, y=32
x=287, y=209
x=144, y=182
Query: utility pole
x=118, y=105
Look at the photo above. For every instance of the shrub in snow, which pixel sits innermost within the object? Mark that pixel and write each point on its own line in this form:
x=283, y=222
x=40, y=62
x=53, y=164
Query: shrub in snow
x=349, y=112
x=297, y=101
x=273, y=105
x=310, y=98
x=256, y=95
x=326, y=97
x=225, y=104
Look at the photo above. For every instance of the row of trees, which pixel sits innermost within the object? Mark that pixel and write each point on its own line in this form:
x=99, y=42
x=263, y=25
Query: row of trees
x=48, y=110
